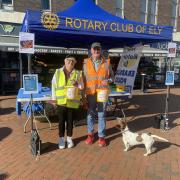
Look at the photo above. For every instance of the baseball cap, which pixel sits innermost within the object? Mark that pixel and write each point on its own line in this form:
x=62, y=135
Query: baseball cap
x=70, y=57
x=96, y=44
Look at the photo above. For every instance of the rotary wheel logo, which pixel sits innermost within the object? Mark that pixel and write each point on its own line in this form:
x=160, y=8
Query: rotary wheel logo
x=50, y=21
x=128, y=63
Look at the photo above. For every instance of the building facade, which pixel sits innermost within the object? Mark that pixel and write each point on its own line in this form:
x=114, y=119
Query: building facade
x=12, y=13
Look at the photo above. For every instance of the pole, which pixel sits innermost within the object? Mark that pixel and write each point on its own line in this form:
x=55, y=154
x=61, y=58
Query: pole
x=20, y=69
x=31, y=103
x=29, y=64
x=166, y=116
x=142, y=82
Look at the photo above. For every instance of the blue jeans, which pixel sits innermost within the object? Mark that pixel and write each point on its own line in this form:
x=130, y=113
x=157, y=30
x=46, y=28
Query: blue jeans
x=96, y=110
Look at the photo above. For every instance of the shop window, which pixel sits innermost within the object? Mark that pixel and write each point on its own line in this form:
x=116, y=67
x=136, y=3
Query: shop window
x=174, y=14
x=120, y=8
x=46, y=4
x=149, y=11
x=6, y=5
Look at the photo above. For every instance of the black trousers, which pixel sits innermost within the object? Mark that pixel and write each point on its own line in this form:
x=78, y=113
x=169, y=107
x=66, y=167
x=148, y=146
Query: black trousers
x=65, y=116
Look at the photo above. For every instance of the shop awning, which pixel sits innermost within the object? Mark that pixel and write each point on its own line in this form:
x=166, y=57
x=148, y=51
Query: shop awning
x=84, y=22
x=9, y=46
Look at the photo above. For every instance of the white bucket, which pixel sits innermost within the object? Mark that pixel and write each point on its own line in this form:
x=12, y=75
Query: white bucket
x=102, y=95
x=71, y=92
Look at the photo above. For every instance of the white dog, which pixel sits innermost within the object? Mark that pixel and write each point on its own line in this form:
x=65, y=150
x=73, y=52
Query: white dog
x=131, y=139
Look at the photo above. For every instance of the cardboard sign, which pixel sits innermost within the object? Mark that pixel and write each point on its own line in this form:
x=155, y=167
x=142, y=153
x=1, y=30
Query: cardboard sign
x=127, y=68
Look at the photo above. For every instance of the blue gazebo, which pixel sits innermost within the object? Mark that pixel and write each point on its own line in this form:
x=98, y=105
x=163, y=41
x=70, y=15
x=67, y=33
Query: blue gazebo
x=84, y=22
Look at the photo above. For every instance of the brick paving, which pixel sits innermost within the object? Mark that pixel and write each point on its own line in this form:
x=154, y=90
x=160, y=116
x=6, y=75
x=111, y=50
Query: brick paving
x=93, y=162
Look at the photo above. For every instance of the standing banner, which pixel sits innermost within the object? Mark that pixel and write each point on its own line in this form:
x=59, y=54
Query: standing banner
x=171, y=49
x=127, y=67
x=26, y=43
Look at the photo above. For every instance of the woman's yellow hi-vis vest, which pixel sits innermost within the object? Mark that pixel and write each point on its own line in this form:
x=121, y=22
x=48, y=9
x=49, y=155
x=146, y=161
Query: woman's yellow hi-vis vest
x=61, y=89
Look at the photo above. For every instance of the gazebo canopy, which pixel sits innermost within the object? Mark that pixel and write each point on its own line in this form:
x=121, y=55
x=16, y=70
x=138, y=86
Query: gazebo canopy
x=84, y=22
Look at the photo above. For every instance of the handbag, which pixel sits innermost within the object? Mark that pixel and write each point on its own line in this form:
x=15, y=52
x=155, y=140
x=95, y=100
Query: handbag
x=35, y=143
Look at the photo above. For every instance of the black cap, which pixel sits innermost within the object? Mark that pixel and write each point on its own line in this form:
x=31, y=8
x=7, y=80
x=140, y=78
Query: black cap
x=69, y=56
x=96, y=44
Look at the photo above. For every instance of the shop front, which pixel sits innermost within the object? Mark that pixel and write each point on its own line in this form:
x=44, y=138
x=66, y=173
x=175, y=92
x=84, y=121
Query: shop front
x=162, y=63
x=44, y=62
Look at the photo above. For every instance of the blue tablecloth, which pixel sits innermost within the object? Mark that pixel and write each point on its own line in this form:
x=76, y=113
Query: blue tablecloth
x=44, y=92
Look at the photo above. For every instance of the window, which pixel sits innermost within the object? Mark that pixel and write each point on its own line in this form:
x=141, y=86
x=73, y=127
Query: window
x=120, y=8
x=46, y=4
x=6, y=1
x=149, y=11
x=174, y=14
x=6, y=5
x=152, y=11
x=143, y=6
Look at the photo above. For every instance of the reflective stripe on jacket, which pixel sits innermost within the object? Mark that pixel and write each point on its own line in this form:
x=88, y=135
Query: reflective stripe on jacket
x=61, y=90
x=94, y=78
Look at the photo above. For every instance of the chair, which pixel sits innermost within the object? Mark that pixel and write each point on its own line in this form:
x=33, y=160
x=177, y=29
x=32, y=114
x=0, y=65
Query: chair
x=38, y=111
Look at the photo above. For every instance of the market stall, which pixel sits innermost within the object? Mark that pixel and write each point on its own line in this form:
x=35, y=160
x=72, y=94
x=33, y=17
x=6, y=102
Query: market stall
x=84, y=23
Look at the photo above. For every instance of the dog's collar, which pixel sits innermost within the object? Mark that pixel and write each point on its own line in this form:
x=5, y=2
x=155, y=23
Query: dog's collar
x=124, y=131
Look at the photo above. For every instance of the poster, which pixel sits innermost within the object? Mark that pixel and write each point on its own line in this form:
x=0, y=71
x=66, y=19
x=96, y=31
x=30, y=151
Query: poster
x=171, y=49
x=169, y=78
x=30, y=83
x=26, y=43
x=127, y=67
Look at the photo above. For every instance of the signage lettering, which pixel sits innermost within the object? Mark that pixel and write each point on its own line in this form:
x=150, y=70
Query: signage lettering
x=86, y=24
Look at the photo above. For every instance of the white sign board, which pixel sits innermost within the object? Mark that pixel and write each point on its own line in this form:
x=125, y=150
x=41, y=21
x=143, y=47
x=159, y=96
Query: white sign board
x=169, y=78
x=30, y=83
x=127, y=67
x=171, y=49
x=26, y=43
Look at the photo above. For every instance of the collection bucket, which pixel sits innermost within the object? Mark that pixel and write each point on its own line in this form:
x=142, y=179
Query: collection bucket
x=120, y=88
x=102, y=95
x=71, y=92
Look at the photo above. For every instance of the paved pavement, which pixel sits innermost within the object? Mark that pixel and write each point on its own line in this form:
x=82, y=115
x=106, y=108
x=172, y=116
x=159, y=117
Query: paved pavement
x=93, y=162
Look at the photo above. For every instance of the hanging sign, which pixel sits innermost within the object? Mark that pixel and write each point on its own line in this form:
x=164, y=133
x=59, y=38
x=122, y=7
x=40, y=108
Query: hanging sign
x=26, y=43
x=169, y=78
x=171, y=49
x=30, y=83
x=127, y=67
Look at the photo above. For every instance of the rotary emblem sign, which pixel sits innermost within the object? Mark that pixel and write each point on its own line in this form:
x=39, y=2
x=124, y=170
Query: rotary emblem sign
x=50, y=21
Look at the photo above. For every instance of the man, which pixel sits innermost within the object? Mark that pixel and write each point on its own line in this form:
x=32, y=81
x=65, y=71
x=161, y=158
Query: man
x=96, y=71
x=63, y=78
